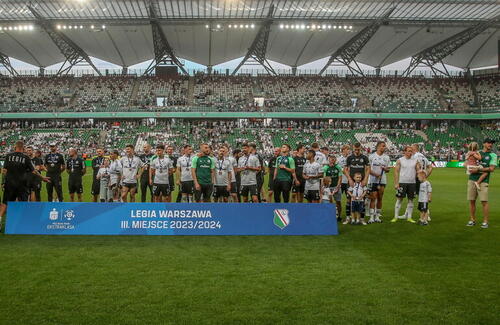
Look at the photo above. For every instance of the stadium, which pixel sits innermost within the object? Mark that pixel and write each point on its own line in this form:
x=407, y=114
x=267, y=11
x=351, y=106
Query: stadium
x=293, y=95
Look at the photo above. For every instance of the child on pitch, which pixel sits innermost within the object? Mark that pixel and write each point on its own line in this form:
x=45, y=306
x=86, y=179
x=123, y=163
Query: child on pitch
x=424, y=198
x=103, y=175
x=357, y=193
x=326, y=192
x=472, y=162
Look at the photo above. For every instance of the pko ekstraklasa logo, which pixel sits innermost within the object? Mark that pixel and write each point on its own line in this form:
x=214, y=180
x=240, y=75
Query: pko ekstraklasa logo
x=281, y=219
x=61, y=223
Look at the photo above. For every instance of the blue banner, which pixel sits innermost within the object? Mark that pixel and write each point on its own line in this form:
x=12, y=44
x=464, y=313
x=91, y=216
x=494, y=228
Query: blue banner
x=46, y=218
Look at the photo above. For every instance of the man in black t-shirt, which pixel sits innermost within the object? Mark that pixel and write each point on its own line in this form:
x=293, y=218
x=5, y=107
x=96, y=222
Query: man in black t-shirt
x=75, y=166
x=35, y=183
x=357, y=163
x=97, y=162
x=146, y=160
x=54, y=162
x=17, y=171
x=300, y=161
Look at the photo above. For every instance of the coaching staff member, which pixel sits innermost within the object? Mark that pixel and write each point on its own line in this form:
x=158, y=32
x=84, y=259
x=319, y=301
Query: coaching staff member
x=54, y=162
x=17, y=172
x=97, y=162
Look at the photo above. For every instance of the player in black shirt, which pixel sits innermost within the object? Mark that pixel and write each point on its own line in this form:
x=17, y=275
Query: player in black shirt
x=171, y=178
x=146, y=160
x=357, y=163
x=75, y=166
x=300, y=161
x=271, y=166
x=96, y=164
x=54, y=162
x=17, y=171
x=35, y=183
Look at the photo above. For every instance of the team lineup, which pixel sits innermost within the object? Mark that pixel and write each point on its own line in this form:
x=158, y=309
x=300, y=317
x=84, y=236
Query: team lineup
x=220, y=175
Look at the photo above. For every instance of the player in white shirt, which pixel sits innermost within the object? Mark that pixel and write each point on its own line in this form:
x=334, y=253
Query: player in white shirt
x=379, y=167
x=319, y=157
x=425, y=165
x=160, y=170
x=424, y=198
x=115, y=171
x=405, y=174
x=184, y=176
x=234, y=164
x=103, y=175
x=312, y=173
x=132, y=168
x=342, y=161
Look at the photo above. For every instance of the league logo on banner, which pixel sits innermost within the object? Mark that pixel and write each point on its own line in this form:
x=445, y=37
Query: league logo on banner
x=51, y=218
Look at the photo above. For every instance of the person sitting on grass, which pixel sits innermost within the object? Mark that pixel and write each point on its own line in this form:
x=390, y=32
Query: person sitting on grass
x=424, y=198
x=357, y=193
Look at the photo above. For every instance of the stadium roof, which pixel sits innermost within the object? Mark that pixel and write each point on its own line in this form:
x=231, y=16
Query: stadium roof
x=412, y=26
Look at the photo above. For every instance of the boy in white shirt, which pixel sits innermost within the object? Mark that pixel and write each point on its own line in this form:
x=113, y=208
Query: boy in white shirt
x=424, y=198
x=357, y=192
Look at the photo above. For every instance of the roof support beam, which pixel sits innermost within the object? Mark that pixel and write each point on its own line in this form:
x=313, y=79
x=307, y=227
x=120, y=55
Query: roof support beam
x=347, y=53
x=73, y=54
x=257, y=52
x=5, y=62
x=164, y=54
x=432, y=57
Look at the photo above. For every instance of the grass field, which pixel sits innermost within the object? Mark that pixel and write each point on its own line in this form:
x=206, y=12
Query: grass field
x=379, y=274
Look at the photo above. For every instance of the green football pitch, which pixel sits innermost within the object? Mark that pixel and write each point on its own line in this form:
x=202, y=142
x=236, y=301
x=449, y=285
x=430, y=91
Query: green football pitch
x=379, y=274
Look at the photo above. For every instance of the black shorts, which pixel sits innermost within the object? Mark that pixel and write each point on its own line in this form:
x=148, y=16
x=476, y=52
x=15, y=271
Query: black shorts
x=406, y=190
x=417, y=186
x=260, y=181
x=344, y=187
x=299, y=188
x=205, y=192
x=15, y=193
x=35, y=186
x=171, y=187
x=270, y=184
x=375, y=187
x=234, y=188
x=358, y=206
x=247, y=190
x=312, y=195
x=220, y=191
x=423, y=206
x=96, y=187
x=187, y=187
x=161, y=189
x=75, y=186
x=130, y=185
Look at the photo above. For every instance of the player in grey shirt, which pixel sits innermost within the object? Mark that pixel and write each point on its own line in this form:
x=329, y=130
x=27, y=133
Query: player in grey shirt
x=248, y=166
x=132, y=168
x=161, y=168
x=223, y=176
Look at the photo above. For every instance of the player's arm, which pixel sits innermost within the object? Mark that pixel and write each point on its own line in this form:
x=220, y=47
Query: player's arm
x=193, y=172
x=178, y=173
x=67, y=167
x=493, y=164
x=397, y=168
x=63, y=164
x=367, y=173
x=255, y=168
x=152, y=172
x=347, y=173
x=84, y=168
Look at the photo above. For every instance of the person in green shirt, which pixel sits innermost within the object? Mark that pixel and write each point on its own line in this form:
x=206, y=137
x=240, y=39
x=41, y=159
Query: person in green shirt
x=334, y=171
x=284, y=173
x=488, y=161
x=203, y=172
